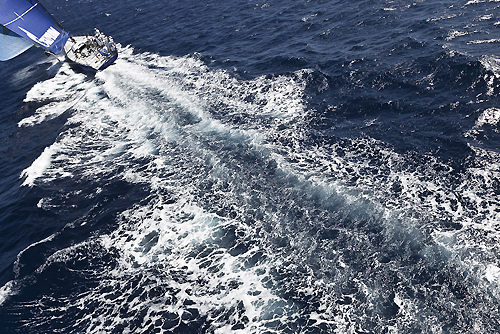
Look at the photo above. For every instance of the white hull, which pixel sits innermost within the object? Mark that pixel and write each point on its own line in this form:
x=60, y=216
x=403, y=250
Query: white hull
x=87, y=56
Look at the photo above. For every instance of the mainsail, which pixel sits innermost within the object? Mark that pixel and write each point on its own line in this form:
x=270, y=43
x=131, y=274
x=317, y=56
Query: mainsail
x=30, y=20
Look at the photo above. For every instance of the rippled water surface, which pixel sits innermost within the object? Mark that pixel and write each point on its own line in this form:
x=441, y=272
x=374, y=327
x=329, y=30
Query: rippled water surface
x=244, y=167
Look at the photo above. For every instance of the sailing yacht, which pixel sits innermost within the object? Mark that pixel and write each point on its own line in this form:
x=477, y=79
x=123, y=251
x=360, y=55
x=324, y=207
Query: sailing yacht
x=25, y=23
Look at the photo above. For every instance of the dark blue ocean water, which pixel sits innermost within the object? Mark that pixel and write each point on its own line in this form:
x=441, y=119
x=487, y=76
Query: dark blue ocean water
x=256, y=167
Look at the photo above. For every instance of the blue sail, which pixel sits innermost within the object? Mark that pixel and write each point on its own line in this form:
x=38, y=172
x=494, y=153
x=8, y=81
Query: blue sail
x=11, y=44
x=29, y=19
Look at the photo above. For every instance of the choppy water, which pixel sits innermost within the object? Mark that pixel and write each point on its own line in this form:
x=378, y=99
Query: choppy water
x=277, y=167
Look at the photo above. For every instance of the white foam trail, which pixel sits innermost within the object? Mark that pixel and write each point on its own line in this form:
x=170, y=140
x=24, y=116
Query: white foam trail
x=175, y=241
x=39, y=166
x=484, y=41
x=6, y=291
x=155, y=108
x=490, y=116
x=128, y=84
x=65, y=90
x=165, y=122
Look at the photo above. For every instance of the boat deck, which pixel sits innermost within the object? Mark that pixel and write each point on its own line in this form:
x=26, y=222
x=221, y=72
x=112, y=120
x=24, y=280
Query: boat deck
x=79, y=51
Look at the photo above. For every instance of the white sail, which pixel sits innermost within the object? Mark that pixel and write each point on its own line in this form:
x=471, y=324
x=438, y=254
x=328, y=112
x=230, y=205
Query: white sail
x=12, y=44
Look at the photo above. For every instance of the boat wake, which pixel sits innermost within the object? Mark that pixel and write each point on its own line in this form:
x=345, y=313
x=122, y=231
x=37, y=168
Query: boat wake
x=209, y=205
